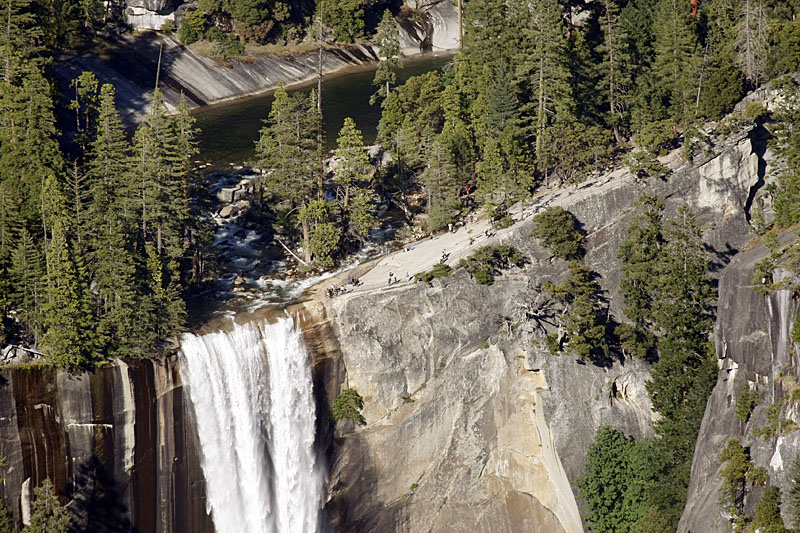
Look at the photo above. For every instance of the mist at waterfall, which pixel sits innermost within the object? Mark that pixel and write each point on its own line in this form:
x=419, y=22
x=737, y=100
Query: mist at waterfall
x=251, y=390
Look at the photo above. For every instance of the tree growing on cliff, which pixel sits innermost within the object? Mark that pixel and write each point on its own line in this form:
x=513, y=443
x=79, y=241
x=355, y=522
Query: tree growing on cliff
x=348, y=405
x=767, y=517
x=559, y=232
x=585, y=326
x=640, y=255
x=793, y=493
x=686, y=370
x=736, y=464
x=47, y=513
x=612, y=483
x=786, y=194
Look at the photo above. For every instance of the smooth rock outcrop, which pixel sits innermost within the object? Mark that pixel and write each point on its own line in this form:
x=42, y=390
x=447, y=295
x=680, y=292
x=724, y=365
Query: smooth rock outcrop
x=119, y=445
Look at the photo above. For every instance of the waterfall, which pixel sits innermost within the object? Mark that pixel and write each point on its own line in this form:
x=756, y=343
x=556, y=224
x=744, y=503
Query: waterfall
x=252, y=396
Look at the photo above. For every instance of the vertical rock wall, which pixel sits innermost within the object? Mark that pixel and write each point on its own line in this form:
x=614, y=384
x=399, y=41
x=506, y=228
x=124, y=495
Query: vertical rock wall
x=755, y=350
x=119, y=444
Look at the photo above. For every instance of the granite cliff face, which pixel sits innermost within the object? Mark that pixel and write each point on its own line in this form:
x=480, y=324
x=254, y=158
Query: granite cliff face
x=471, y=423
x=755, y=349
x=119, y=445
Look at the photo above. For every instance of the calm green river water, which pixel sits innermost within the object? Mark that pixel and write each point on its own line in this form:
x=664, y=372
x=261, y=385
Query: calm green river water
x=229, y=130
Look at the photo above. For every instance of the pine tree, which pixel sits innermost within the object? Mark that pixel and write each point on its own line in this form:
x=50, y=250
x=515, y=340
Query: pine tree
x=768, y=512
x=386, y=74
x=614, y=482
x=752, y=43
x=721, y=81
x=640, y=254
x=501, y=102
x=346, y=17
x=21, y=39
x=68, y=340
x=350, y=176
x=186, y=134
x=543, y=74
x=160, y=173
x=786, y=195
x=615, y=68
x=10, y=222
x=27, y=273
x=285, y=152
x=47, y=513
x=677, y=59
x=354, y=162
x=324, y=235
x=585, y=329
x=163, y=301
x=793, y=492
x=487, y=39
x=85, y=88
x=28, y=149
x=109, y=160
x=78, y=205
x=682, y=312
x=440, y=179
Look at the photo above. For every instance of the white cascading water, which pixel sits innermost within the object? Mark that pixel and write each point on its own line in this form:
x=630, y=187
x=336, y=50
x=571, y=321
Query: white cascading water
x=252, y=395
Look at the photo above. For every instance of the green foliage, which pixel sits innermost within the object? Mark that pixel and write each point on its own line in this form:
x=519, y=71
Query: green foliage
x=192, y=27
x=585, y=325
x=775, y=424
x=558, y=230
x=758, y=475
x=345, y=17
x=324, y=234
x=642, y=164
x=733, y=474
x=612, y=483
x=286, y=152
x=352, y=178
x=348, y=405
x=745, y=403
x=386, y=74
x=224, y=45
x=168, y=26
x=640, y=255
x=488, y=261
x=439, y=270
x=786, y=143
x=768, y=512
x=47, y=513
x=793, y=493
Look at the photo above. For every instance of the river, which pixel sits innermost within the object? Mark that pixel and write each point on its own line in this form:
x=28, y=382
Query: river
x=229, y=130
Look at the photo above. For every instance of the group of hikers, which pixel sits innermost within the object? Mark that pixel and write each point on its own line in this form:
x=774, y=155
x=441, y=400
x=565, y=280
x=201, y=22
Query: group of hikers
x=396, y=279
x=335, y=290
